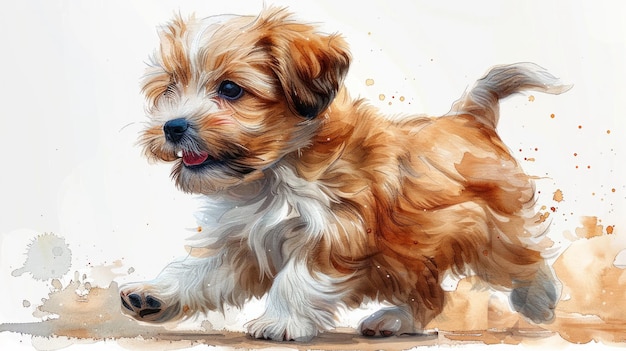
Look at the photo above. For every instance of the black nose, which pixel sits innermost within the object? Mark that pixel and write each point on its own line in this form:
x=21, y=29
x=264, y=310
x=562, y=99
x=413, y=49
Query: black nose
x=175, y=129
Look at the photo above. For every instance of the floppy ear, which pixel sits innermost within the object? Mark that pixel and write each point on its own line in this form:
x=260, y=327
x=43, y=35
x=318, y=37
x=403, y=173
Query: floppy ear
x=310, y=66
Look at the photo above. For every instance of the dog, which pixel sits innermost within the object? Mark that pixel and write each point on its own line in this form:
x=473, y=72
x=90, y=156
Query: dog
x=318, y=201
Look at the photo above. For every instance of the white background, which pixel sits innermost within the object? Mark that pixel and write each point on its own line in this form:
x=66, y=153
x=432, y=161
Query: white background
x=71, y=111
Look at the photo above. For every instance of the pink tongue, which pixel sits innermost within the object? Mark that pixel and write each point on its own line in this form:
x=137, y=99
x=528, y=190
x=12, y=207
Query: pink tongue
x=193, y=159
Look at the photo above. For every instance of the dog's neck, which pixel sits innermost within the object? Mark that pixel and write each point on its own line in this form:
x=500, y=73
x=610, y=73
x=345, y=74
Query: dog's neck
x=346, y=126
x=336, y=128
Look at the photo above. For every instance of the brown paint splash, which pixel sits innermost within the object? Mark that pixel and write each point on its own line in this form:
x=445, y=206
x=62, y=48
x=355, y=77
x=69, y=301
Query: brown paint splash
x=590, y=228
x=558, y=195
x=543, y=217
x=593, y=286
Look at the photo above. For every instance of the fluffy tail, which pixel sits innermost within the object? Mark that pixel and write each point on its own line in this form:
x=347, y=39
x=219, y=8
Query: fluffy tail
x=502, y=81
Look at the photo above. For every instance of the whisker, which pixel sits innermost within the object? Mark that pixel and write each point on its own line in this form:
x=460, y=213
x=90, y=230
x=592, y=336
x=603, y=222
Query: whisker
x=126, y=126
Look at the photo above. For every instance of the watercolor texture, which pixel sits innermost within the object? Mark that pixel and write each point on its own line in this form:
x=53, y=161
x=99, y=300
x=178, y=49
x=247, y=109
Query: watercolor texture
x=86, y=214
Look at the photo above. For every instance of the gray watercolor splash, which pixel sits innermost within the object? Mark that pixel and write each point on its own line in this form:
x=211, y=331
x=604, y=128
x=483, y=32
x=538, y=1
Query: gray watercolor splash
x=48, y=257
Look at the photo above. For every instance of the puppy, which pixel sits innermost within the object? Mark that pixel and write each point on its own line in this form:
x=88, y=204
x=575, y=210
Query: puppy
x=320, y=202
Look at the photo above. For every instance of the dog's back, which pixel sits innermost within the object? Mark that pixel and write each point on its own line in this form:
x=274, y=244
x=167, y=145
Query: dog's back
x=444, y=194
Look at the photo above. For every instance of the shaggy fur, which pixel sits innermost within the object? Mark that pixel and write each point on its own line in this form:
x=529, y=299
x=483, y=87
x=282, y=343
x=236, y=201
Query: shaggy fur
x=316, y=199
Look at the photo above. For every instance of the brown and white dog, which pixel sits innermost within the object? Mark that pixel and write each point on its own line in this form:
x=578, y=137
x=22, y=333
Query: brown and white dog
x=320, y=202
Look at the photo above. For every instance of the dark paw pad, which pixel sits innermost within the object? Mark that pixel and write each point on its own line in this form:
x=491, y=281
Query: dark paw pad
x=141, y=306
x=368, y=332
x=372, y=333
x=387, y=333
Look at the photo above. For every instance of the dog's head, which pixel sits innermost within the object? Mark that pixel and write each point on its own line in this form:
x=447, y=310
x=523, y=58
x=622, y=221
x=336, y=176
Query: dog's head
x=230, y=96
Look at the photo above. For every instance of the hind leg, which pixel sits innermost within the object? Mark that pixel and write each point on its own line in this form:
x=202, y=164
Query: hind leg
x=536, y=299
x=423, y=303
x=398, y=320
x=388, y=321
x=534, y=289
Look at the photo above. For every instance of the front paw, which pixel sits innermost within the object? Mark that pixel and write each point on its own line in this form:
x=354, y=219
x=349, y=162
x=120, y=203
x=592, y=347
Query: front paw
x=282, y=329
x=143, y=303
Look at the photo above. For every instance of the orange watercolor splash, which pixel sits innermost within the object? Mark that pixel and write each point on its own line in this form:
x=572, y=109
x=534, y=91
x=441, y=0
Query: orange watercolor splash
x=590, y=228
x=557, y=195
x=593, y=284
x=543, y=217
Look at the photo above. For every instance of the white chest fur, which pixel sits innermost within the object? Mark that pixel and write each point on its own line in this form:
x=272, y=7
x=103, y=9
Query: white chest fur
x=274, y=218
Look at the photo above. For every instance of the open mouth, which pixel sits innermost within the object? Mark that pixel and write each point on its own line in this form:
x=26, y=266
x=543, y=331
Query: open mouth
x=192, y=159
x=198, y=159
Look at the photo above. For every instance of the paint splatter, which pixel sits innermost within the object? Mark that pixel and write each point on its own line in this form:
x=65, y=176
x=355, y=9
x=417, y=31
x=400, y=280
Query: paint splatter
x=531, y=98
x=590, y=228
x=543, y=217
x=593, y=277
x=48, y=257
x=381, y=97
x=369, y=82
x=558, y=195
x=103, y=275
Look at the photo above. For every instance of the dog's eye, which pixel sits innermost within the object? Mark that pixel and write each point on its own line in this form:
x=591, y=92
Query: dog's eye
x=230, y=90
